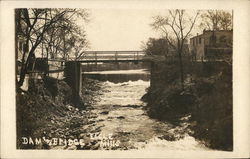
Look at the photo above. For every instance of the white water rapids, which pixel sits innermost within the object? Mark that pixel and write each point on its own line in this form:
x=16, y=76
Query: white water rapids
x=121, y=113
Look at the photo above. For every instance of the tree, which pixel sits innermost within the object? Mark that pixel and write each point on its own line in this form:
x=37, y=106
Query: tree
x=44, y=26
x=216, y=20
x=226, y=21
x=79, y=46
x=156, y=47
x=176, y=26
x=66, y=37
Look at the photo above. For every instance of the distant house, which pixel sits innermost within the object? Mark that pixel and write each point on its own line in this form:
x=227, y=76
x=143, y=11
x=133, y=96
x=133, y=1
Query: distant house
x=21, y=50
x=37, y=63
x=21, y=40
x=211, y=45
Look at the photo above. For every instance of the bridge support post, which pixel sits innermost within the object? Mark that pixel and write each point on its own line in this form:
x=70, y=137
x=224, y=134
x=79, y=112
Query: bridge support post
x=73, y=77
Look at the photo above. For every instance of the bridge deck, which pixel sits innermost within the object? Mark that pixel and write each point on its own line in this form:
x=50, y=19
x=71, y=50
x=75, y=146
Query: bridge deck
x=112, y=56
x=109, y=56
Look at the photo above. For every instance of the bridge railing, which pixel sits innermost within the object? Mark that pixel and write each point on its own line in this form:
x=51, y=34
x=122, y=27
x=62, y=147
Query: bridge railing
x=113, y=55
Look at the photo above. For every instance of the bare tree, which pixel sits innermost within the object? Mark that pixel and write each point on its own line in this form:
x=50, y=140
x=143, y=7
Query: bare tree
x=65, y=35
x=42, y=26
x=79, y=47
x=226, y=21
x=216, y=20
x=176, y=26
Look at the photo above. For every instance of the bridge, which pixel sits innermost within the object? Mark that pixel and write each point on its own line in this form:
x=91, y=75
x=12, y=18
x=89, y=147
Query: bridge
x=105, y=56
x=73, y=70
x=56, y=65
x=112, y=56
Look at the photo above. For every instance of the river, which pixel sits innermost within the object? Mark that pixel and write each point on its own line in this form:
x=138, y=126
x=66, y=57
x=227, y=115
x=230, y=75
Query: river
x=122, y=115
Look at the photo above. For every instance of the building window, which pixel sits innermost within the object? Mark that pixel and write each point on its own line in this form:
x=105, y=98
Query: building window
x=199, y=40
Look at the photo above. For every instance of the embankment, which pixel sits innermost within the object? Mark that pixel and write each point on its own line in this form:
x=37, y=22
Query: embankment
x=207, y=98
x=46, y=110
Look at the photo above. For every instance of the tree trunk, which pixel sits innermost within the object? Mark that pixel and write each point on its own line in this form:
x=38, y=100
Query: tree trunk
x=17, y=26
x=25, y=67
x=181, y=70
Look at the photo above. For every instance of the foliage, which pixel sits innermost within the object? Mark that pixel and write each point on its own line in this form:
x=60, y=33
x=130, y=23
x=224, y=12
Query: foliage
x=213, y=113
x=208, y=98
x=156, y=47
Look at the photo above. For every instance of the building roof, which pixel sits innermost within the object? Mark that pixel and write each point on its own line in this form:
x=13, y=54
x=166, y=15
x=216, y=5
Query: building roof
x=204, y=31
x=196, y=36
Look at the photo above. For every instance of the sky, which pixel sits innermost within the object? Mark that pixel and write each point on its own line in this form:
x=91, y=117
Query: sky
x=123, y=29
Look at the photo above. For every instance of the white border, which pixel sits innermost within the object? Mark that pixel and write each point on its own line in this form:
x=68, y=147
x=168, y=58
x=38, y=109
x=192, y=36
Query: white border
x=241, y=78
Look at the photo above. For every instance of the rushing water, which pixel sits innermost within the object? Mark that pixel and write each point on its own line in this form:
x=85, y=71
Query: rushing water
x=122, y=114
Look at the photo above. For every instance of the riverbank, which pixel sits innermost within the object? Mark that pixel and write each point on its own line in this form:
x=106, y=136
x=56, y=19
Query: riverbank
x=46, y=111
x=207, y=99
